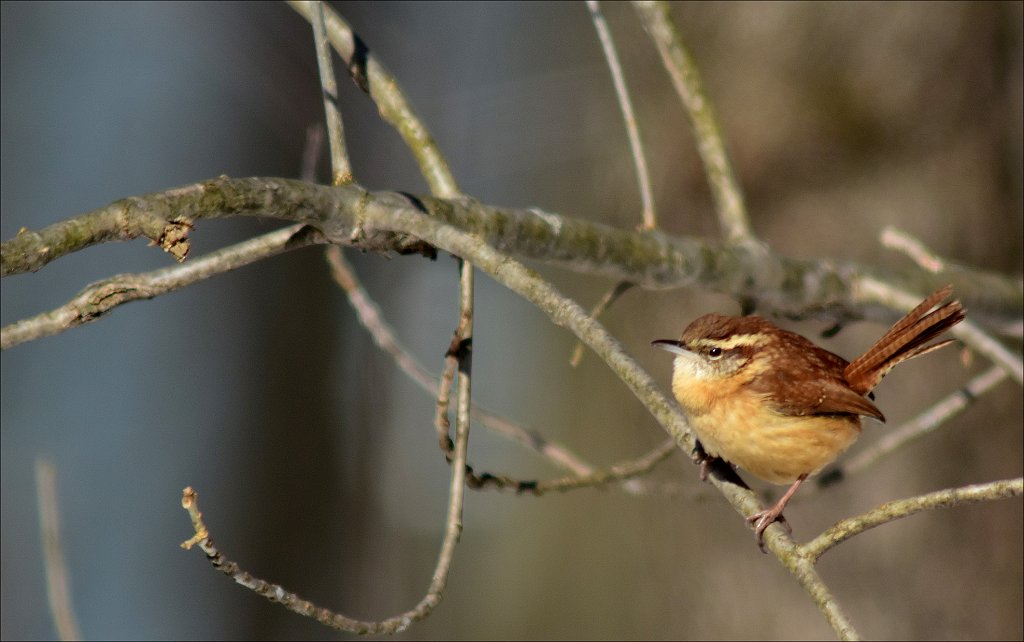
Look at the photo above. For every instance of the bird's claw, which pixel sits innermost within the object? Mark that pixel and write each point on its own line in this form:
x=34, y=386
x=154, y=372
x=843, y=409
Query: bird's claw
x=763, y=519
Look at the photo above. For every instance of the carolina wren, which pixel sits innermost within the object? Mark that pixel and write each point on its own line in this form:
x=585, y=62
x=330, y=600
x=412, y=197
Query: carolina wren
x=773, y=403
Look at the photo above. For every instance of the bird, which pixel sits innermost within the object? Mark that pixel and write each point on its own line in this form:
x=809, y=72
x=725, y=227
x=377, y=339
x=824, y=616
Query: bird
x=771, y=402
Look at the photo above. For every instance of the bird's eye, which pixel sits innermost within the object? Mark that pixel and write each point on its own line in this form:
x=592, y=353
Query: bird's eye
x=715, y=353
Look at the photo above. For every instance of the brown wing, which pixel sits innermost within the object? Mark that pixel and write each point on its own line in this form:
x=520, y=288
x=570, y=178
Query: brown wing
x=837, y=397
x=812, y=386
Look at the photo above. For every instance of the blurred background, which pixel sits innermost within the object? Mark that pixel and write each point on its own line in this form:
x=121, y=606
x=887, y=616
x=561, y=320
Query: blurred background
x=315, y=458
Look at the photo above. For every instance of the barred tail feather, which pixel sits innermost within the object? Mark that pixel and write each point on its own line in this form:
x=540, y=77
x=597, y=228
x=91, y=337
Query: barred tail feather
x=905, y=340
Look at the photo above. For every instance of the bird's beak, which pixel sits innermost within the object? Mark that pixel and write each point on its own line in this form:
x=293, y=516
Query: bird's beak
x=672, y=346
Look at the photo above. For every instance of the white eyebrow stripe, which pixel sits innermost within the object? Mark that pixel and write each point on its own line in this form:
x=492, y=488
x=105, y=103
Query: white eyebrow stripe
x=738, y=341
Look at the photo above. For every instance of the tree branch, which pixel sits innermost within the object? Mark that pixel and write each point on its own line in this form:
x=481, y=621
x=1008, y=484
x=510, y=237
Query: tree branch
x=636, y=146
x=583, y=473
x=97, y=299
x=786, y=286
x=732, y=213
x=373, y=77
x=341, y=168
x=890, y=511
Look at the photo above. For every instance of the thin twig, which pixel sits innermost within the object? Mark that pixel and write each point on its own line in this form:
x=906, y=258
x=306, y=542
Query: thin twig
x=893, y=510
x=58, y=586
x=371, y=75
x=443, y=425
x=896, y=239
x=370, y=318
x=464, y=355
x=972, y=334
x=583, y=473
x=292, y=602
x=610, y=297
x=622, y=471
x=341, y=168
x=925, y=422
x=648, y=215
x=732, y=213
x=643, y=177
x=101, y=297
x=872, y=290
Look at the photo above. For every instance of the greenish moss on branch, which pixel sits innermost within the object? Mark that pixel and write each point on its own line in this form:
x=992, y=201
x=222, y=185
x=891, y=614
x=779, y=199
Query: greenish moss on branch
x=650, y=259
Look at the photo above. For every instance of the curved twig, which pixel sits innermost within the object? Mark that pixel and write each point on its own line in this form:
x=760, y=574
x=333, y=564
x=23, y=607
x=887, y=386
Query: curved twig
x=890, y=511
x=636, y=146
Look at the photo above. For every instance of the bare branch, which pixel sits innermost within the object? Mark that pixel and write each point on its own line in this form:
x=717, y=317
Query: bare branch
x=890, y=511
x=311, y=152
x=58, y=586
x=896, y=239
x=618, y=472
x=103, y=296
x=610, y=297
x=643, y=177
x=371, y=75
x=370, y=318
x=732, y=213
x=780, y=284
x=121, y=221
x=294, y=603
x=341, y=168
x=583, y=473
x=444, y=393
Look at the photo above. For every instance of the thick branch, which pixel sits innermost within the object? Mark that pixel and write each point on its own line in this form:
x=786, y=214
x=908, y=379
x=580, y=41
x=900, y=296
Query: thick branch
x=784, y=285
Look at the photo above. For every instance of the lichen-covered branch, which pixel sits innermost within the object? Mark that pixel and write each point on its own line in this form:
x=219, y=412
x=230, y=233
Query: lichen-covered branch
x=121, y=221
x=650, y=259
